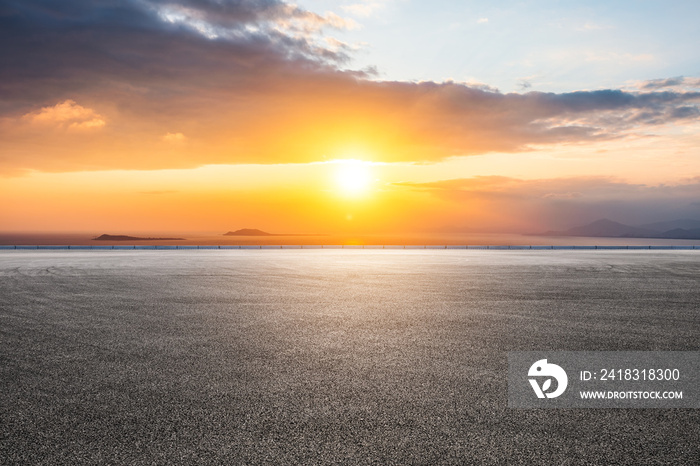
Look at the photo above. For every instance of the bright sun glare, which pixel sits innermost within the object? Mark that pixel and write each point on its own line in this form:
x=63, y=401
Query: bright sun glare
x=353, y=177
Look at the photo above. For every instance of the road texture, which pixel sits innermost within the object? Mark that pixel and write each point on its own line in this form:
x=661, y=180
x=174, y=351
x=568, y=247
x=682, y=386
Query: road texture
x=328, y=357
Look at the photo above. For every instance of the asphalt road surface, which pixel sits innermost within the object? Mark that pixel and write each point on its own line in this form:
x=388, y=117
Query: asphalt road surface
x=329, y=357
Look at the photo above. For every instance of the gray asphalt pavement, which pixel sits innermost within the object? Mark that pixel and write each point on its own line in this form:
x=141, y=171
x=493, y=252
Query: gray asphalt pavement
x=328, y=357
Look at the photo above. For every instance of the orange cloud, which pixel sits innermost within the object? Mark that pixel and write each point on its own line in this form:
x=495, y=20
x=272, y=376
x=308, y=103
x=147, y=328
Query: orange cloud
x=174, y=138
x=246, y=90
x=67, y=114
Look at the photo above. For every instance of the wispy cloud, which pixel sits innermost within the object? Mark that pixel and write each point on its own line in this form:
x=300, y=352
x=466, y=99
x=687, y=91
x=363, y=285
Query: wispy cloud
x=679, y=82
x=174, y=138
x=589, y=26
x=619, y=57
x=365, y=7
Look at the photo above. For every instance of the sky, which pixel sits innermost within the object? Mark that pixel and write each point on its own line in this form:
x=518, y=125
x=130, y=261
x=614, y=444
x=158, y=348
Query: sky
x=362, y=117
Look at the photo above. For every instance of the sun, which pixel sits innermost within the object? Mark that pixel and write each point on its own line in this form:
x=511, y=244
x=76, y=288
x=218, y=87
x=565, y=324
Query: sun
x=353, y=177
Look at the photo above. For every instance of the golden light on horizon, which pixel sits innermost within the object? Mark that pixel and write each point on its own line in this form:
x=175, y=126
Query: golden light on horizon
x=353, y=177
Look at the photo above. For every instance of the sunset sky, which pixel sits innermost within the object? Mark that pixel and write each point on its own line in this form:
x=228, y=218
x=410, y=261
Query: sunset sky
x=325, y=116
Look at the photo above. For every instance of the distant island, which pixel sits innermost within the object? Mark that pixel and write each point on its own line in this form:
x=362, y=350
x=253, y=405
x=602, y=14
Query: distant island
x=132, y=238
x=674, y=229
x=256, y=232
x=249, y=232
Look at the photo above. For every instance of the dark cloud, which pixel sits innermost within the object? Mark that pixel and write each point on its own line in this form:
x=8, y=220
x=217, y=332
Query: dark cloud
x=234, y=13
x=525, y=85
x=655, y=84
x=685, y=112
x=49, y=49
x=254, y=82
x=231, y=12
x=662, y=83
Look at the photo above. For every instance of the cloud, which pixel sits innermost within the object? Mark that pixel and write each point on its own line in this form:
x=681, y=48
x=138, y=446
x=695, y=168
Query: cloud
x=174, y=138
x=689, y=112
x=145, y=40
x=588, y=26
x=563, y=195
x=679, y=82
x=504, y=203
x=365, y=7
x=482, y=20
x=67, y=114
x=235, y=14
x=257, y=81
x=618, y=58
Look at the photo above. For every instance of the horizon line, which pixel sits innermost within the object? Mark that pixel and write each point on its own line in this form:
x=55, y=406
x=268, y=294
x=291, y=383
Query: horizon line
x=344, y=246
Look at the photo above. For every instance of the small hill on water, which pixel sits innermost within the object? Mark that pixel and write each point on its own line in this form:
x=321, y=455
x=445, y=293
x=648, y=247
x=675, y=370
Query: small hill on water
x=248, y=232
x=132, y=238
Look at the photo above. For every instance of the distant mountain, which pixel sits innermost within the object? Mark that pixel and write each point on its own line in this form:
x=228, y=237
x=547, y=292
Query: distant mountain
x=690, y=229
x=132, y=238
x=248, y=232
x=684, y=224
x=681, y=233
x=606, y=227
x=255, y=232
